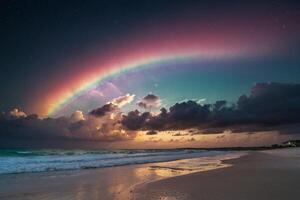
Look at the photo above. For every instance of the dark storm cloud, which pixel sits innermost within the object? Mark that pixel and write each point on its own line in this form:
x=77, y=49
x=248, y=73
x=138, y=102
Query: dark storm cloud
x=135, y=120
x=99, y=112
x=151, y=97
x=271, y=103
x=180, y=116
x=149, y=101
x=31, y=127
x=112, y=106
x=270, y=106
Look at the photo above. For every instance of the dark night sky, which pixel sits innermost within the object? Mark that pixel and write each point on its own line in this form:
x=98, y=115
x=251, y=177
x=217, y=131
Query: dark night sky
x=38, y=37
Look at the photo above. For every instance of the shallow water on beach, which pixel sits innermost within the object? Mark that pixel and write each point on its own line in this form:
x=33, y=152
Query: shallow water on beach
x=187, y=166
x=112, y=183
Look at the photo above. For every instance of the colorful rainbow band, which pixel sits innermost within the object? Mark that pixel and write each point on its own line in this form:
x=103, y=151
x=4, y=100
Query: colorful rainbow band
x=114, y=72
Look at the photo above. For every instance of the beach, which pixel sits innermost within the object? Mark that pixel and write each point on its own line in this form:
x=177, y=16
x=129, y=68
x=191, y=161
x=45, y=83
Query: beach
x=271, y=174
x=81, y=175
x=262, y=175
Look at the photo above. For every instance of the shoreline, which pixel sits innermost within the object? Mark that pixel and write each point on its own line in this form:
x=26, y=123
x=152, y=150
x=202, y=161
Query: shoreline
x=224, y=163
x=227, y=176
x=115, y=183
x=60, y=160
x=249, y=177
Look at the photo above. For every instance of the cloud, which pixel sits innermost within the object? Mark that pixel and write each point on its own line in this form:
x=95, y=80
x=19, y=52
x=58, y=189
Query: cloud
x=191, y=140
x=135, y=120
x=180, y=134
x=150, y=101
x=101, y=124
x=271, y=103
x=270, y=106
x=180, y=116
x=112, y=106
x=77, y=116
x=98, y=95
x=123, y=100
x=16, y=113
x=199, y=101
x=151, y=133
x=101, y=111
x=104, y=123
x=95, y=93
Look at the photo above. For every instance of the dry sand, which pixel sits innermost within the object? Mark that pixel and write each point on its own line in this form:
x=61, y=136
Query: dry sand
x=259, y=175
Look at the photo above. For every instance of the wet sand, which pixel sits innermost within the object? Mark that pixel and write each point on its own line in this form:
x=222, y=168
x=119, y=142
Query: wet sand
x=257, y=175
x=262, y=175
x=114, y=183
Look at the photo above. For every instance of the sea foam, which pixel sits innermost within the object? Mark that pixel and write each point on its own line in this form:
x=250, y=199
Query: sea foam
x=24, y=161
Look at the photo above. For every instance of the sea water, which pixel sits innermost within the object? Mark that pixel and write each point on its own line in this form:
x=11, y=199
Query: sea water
x=24, y=161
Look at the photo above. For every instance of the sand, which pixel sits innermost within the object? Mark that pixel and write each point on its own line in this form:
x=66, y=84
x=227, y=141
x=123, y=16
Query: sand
x=114, y=183
x=258, y=175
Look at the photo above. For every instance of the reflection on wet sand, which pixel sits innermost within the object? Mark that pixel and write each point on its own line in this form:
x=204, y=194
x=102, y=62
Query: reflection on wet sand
x=158, y=171
x=182, y=167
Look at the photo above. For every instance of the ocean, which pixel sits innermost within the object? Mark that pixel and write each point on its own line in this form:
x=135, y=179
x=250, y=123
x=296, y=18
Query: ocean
x=14, y=161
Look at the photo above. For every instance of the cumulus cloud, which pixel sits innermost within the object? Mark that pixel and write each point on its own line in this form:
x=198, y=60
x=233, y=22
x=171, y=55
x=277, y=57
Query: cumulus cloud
x=104, y=123
x=101, y=124
x=150, y=101
x=77, y=116
x=112, y=106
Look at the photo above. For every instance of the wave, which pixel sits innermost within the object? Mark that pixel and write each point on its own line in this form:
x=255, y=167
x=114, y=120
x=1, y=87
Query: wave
x=25, y=161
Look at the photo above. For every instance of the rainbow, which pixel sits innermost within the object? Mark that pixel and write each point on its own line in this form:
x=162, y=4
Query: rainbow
x=119, y=69
x=113, y=72
x=165, y=41
x=163, y=45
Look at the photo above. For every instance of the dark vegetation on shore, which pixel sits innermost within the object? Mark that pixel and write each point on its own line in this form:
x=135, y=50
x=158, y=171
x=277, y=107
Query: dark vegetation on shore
x=287, y=144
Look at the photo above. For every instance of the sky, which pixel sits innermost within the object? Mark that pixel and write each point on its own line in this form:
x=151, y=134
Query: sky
x=155, y=74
